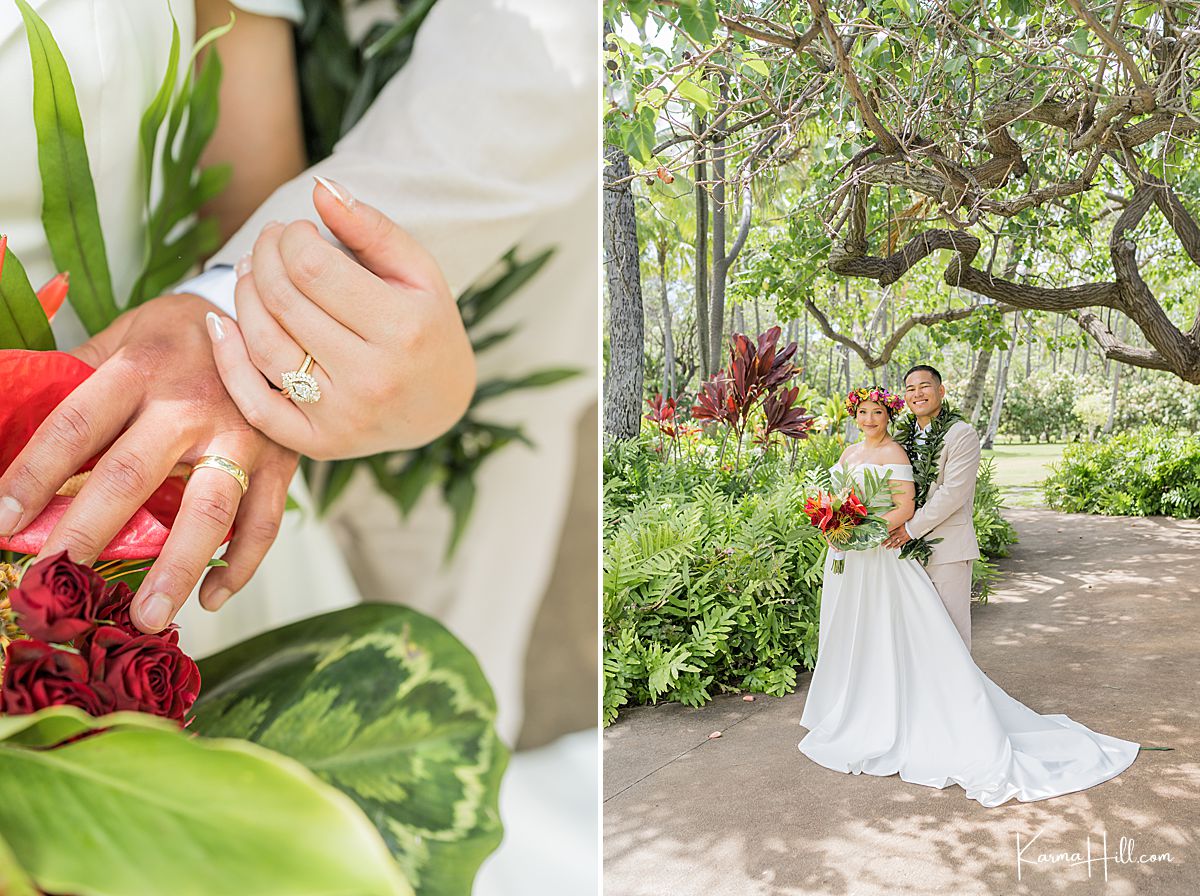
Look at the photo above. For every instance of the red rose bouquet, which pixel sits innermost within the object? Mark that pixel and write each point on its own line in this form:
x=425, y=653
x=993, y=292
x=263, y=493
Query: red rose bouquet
x=849, y=515
x=68, y=641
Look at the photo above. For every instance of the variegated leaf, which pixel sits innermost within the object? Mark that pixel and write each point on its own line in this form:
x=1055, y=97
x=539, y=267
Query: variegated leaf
x=385, y=704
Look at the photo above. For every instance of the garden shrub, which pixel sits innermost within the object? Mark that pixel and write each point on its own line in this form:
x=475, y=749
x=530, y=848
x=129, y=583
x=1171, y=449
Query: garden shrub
x=1150, y=471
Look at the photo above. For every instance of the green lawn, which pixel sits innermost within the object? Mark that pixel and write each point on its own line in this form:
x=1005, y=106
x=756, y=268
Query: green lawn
x=1020, y=470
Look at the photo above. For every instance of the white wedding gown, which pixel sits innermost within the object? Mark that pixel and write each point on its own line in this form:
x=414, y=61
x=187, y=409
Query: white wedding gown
x=895, y=691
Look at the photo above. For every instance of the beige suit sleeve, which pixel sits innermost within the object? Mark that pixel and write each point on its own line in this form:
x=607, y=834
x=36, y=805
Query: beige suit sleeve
x=962, y=469
x=490, y=126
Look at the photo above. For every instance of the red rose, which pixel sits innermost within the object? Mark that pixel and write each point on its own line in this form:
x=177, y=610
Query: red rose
x=55, y=599
x=146, y=673
x=37, y=675
x=113, y=606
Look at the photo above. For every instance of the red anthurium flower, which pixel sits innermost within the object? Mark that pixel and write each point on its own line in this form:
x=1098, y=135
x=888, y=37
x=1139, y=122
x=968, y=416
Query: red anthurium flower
x=34, y=384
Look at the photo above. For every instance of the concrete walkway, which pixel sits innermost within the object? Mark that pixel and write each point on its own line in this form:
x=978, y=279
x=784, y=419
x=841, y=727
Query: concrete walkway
x=1095, y=617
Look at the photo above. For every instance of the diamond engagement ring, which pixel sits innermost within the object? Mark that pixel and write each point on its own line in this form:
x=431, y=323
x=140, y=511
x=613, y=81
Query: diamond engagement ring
x=300, y=385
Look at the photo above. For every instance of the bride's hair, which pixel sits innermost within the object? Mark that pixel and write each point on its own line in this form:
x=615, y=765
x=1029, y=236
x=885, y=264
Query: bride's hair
x=892, y=403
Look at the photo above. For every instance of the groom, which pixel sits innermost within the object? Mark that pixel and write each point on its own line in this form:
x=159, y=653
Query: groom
x=945, y=454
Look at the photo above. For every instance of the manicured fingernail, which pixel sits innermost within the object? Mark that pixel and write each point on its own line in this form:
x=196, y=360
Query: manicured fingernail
x=156, y=611
x=10, y=514
x=217, y=599
x=216, y=330
x=242, y=268
x=340, y=193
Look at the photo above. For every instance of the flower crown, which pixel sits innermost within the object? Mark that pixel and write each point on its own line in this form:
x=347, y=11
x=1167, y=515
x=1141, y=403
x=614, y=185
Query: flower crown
x=893, y=403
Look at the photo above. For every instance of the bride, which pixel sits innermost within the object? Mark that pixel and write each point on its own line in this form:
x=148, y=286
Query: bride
x=895, y=689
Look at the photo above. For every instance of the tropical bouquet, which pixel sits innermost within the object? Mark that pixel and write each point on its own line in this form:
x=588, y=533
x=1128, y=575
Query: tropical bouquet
x=849, y=515
x=353, y=752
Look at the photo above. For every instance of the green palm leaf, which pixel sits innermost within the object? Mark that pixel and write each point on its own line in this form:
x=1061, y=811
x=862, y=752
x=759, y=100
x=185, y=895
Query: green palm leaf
x=69, y=211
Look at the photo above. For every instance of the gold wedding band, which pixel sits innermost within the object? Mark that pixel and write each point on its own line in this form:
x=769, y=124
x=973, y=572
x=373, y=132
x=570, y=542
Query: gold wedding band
x=216, y=462
x=300, y=385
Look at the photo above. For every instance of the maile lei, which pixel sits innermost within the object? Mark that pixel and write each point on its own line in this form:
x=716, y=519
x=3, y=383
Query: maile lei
x=924, y=457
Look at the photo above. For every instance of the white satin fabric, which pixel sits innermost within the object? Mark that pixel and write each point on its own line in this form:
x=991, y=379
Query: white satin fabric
x=895, y=691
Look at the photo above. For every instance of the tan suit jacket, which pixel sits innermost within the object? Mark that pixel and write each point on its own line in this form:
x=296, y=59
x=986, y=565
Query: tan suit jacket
x=949, y=507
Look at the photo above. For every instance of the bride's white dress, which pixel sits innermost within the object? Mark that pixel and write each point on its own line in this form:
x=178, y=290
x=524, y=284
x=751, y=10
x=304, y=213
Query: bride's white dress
x=895, y=691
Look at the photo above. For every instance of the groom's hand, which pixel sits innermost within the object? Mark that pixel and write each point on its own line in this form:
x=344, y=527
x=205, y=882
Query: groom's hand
x=155, y=399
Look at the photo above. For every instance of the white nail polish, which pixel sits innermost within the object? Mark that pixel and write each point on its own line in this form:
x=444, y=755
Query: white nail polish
x=339, y=193
x=215, y=328
x=242, y=268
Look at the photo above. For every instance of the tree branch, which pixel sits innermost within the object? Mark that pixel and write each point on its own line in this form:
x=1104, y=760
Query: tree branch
x=1116, y=350
x=1113, y=44
x=873, y=360
x=887, y=142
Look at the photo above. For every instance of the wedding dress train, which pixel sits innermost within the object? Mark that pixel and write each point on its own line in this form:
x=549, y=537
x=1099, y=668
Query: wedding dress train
x=895, y=691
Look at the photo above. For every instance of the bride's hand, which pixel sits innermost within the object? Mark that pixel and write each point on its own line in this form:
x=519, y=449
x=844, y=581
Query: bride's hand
x=390, y=355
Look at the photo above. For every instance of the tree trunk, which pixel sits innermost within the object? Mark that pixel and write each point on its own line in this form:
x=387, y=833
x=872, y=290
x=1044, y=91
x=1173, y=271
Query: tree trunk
x=989, y=437
x=626, y=324
x=973, y=400
x=707, y=362
x=722, y=262
x=668, y=336
x=716, y=329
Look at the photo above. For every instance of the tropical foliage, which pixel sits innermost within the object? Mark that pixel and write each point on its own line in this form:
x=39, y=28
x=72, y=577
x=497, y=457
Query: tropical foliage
x=712, y=574
x=1150, y=471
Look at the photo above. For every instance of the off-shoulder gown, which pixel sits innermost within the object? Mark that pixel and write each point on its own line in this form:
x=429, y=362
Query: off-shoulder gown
x=895, y=691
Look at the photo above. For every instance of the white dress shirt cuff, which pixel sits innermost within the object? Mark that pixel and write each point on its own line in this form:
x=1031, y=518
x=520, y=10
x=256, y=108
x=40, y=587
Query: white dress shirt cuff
x=216, y=284
x=909, y=531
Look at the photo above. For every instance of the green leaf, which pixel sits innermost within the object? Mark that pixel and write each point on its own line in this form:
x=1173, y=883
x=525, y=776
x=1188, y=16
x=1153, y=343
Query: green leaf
x=460, y=496
x=13, y=879
x=385, y=704
x=156, y=112
x=478, y=303
x=755, y=63
x=175, y=240
x=339, y=475
x=501, y=385
x=139, y=810
x=699, y=19
x=23, y=323
x=698, y=95
x=69, y=212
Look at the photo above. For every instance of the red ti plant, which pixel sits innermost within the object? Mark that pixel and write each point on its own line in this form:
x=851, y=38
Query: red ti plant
x=662, y=415
x=784, y=417
x=757, y=371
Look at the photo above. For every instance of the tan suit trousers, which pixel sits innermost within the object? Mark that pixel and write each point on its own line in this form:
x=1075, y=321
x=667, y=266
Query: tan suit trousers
x=953, y=584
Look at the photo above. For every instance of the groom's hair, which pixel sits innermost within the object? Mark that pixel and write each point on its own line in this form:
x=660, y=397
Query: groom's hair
x=937, y=376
